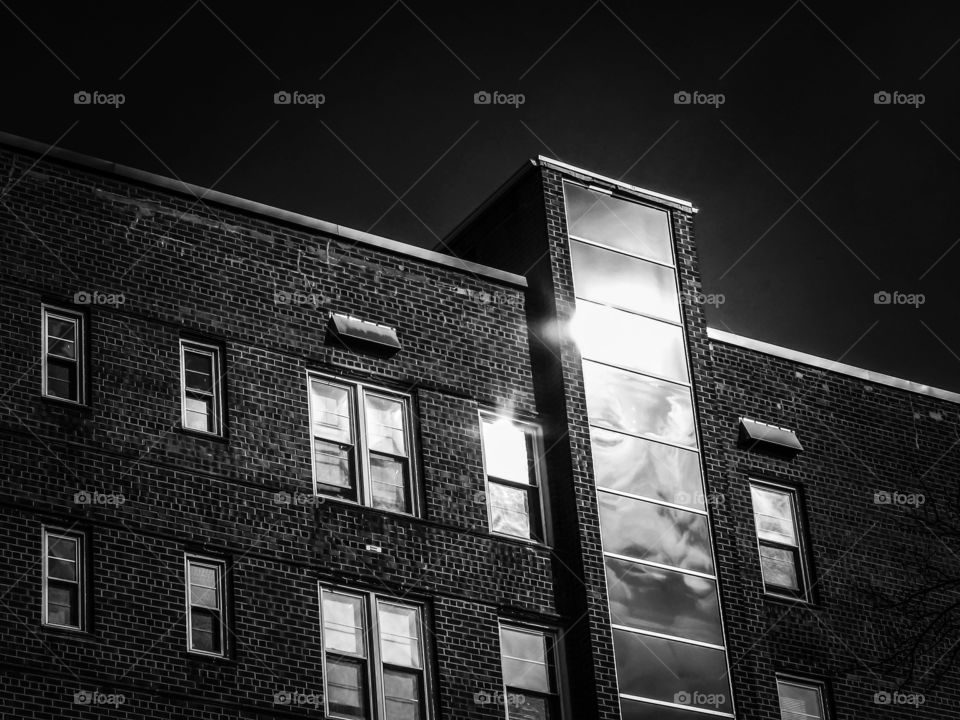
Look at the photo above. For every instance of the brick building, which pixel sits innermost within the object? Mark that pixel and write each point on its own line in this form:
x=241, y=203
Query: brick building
x=259, y=465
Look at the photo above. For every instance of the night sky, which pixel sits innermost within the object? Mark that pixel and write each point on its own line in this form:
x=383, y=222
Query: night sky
x=812, y=197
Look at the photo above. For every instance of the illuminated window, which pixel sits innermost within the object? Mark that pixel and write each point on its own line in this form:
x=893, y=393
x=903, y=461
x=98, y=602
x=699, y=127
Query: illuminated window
x=511, y=461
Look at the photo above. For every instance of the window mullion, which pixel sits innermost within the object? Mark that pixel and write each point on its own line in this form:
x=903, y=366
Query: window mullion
x=364, y=485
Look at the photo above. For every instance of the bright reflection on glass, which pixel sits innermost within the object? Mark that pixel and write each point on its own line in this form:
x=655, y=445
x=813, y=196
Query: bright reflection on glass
x=630, y=341
x=643, y=467
x=638, y=405
x=613, y=278
x=621, y=224
x=663, y=601
x=660, y=669
x=655, y=533
x=773, y=512
x=505, y=450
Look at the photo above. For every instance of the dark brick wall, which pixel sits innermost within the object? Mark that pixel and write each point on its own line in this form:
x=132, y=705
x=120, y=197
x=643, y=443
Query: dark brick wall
x=184, y=266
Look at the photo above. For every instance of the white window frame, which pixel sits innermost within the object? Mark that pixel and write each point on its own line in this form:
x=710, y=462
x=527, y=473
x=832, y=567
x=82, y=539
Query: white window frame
x=221, y=567
x=806, y=684
x=552, y=657
x=374, y=662
x=215, y=354
x=358, y=425
x=79, y=320
x=533, y=431
x=804, y=595
x=80, y=539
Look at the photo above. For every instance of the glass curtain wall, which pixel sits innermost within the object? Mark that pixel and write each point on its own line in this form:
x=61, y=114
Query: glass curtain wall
x=661, y=580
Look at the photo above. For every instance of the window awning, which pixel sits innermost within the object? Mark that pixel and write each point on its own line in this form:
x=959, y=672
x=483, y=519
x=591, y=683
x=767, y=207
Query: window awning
x=358, y=335
x=756, y=432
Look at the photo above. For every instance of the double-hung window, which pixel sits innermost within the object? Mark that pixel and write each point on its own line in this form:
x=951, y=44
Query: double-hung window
x=206, y=606
x=527, y=657
x=801, y=700
x=63, y=355
x=362, y=444
x=64, y=578
x=374, y=658
x=780, y=539
x=511, y=461
x=200, y=387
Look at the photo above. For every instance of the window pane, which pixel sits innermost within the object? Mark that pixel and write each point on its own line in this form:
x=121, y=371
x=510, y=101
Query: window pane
x=401, y=691
x=343, y=623
x=660, y=669
x=62, y=379
x=346, y=687
x=618, y=223
x=509, y=510
x=199, y=413
x=798, y=702
x=630, y=341
x=62, y=338
x=505, y=453
x=779, y=567
x=331, y=412
x=612, y=278
x=524, y=658
x=389, y=481
x=663, y=601
x=205, y=630
x=527, y=708
x=62, y=569
x=203, y=575
x=62, y=548
x=198, y=370
x=399, y=635
x=643, y=467
x=63, y=604
x=656, y=533
x=773, y=512
x=334, y=465
x=385, y=425
x=638, y=405
x=633, y=710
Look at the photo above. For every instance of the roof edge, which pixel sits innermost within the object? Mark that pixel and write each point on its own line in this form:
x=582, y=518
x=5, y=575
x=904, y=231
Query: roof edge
x=271, y=212
x=825, y=364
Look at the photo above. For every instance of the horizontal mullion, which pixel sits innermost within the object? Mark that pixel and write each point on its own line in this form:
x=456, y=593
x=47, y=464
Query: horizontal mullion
x=664, y=636
x=619, y=251
x=662, y=566
x=695, y=448
x=621, y=308
x=715, y=713
x=644, y=373
x=655, y=501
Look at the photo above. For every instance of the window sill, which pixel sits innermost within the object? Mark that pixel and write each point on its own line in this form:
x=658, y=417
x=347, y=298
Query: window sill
x=65, y=633
x=525, y=542
x=789, y=600
x=203, y=435
x=67, y=404
x=206, y=658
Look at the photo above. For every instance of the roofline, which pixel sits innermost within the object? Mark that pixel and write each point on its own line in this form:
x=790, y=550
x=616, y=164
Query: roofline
x=162, y=182
x=838, y=367
x=502, y=190
x=632, y=189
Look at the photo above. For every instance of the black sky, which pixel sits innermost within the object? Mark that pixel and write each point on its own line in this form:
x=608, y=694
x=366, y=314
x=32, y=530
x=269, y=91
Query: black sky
x=812, y=197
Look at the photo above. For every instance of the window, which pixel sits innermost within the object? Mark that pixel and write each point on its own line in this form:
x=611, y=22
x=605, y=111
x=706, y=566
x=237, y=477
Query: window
x=529, y=674
x=800, y=700
x=63, y=355
x=200, y=388
x=63, y=579
x=510, y=458
x=206, y=606
x=780, y=539
x=362, y=445
x=374, y=660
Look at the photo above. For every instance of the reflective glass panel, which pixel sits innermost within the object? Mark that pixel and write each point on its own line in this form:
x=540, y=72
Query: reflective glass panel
x=343, y=623
x=63, y=604
x=509, y=509
x=385, y=425
x=505, y=450
x=331, y=412
x=663, y=601
x=346, y=687
x=799, y=702
x=634, y=710
x=773, y=512
x=401, y=692
x=61, y=337
x=630, y=341
x=198, y=370
x=613, y=278
x=621, y=224
x=388, y=480
x=779, y=567
x=656, y=533
x=333, y=465
x=523, y=654
x=399, y=635
x=638, y=405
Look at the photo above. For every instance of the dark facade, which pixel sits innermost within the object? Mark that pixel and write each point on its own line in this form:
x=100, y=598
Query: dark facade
x=258, y=465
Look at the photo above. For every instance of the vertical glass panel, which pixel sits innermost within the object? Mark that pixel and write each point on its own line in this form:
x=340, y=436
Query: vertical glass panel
x=63, y=604
x=643, y=467
x=399, y=635
x=401, y=692
x=346, y=688
x=331, y=412
x=62, y=337
x=527, y=707
x=333, y=465
x=204, y=631
x=773, y=513
x=388, y=479
x=63, y=548
x=505, y=450
x=663, y=601
x=656, y=533
x=634, y=710
x=198, y=370
x=799, y=702
x=62, y=379
x=630, y=341
x=523, y=655
x=385, y=425
x=621, y=224
x=509, y=510
x=343, y=623
x=638, y=405
x=613, y=278
x=199, y=413
x=203, y=586
x=779, y=567
x=669, y=670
